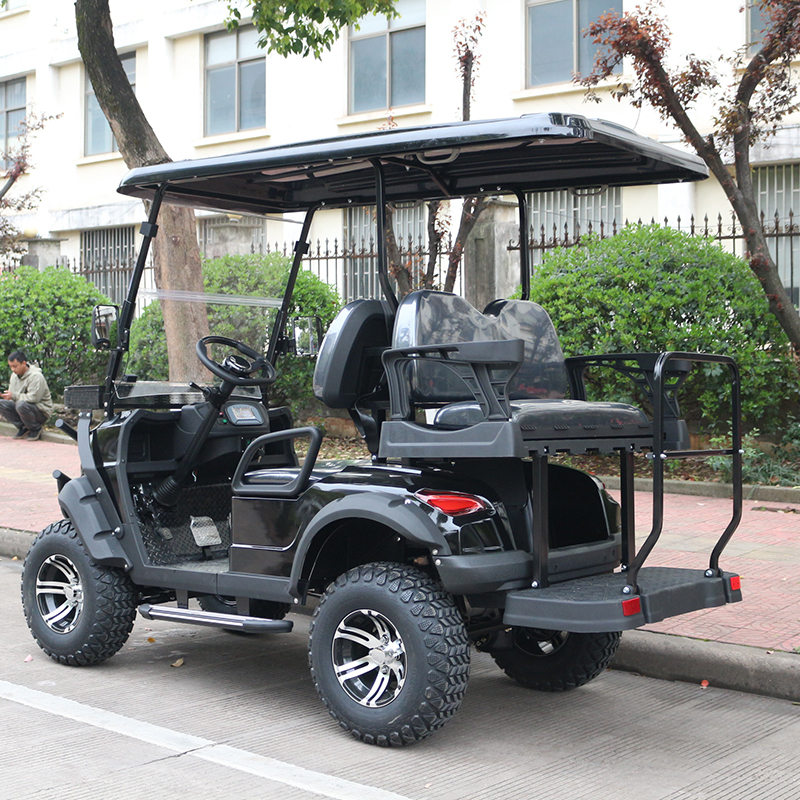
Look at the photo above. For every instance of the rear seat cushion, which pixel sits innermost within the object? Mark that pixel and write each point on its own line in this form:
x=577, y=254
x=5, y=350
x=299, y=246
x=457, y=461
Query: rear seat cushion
x=563, y=419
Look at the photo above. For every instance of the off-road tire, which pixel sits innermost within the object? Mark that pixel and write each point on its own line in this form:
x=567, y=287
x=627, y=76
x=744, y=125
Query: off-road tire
x=555, y=661
x=265, y=609
x=90, y=607
x=428, y=665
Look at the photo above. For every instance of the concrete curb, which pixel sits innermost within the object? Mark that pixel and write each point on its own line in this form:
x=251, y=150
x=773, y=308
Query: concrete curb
x=772, y=673
x=14, y=543
x=768, y=494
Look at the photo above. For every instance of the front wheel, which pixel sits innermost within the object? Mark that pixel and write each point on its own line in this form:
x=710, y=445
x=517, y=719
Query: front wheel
x=554, y=661
x=79, y=612
x=388, y=653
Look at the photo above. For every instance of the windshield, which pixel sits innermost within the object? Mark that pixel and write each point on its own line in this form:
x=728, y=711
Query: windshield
x=239, y=300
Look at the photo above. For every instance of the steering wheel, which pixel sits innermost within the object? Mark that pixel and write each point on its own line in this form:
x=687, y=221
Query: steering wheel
x=236, y=369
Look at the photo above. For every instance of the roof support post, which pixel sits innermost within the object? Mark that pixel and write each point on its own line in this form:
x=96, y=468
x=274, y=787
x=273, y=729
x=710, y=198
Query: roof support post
x=276, y=340
x=383, y=266
x=524, y=248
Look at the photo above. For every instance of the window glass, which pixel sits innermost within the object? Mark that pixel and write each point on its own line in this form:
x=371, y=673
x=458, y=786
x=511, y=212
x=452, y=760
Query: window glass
x=253, y=88
x=220, y=49
x=372, y=23
x=221, y=100
x=368, y=66
x=408, y=67
x=550, y=35
x=412, y=12
x=248, y=43
x=97, y=133
x=758, y=20
x=590, y=11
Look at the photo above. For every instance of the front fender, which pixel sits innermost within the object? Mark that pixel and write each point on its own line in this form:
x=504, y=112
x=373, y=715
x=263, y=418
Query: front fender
x=401, y=514
x=97, y=527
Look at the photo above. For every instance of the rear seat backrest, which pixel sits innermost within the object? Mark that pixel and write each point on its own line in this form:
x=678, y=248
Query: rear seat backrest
x=426, y=317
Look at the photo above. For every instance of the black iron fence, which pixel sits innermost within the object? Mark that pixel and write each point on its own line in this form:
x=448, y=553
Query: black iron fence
x=782, y=234
x=352, y=267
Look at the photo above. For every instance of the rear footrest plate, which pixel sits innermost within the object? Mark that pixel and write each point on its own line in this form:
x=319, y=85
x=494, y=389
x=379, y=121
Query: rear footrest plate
x=597, y=603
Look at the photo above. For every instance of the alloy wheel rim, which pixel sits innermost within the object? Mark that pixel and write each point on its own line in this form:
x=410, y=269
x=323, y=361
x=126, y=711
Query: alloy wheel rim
x=59, y=593
x=369, y=658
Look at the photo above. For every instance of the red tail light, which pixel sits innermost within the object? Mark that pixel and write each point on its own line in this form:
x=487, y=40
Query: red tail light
x=736, y=583
x=453, y=504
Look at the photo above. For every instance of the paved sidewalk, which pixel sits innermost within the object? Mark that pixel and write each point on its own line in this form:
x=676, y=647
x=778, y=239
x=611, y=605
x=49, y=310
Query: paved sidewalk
x=765, y=550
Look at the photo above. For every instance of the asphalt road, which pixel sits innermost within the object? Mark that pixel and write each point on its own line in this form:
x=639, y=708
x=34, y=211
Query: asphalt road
x=238, y=717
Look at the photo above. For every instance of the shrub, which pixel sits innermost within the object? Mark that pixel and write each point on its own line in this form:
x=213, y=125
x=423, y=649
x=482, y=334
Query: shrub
x=49, y=314
x=655, y=289
x=253, y=275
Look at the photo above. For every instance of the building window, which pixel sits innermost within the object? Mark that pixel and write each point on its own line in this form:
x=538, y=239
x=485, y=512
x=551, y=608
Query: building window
x=563, y=216
x=361, y=245
x=777, y=190
x=98, y=136
x=387, y=59
x=12, y=114
x=556, y=45
x=107, y=259
x=236, y=82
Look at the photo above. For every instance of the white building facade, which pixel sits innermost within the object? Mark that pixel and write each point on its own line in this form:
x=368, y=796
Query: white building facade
x=208, y=91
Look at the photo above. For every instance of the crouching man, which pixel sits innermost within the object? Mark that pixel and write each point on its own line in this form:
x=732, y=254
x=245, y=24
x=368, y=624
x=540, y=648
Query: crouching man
x=27, y=402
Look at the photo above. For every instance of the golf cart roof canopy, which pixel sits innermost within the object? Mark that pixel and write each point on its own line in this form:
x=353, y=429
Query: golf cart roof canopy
x=536, y=152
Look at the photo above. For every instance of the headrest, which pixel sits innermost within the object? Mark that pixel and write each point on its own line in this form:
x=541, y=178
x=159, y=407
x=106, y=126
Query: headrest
x=427, y=317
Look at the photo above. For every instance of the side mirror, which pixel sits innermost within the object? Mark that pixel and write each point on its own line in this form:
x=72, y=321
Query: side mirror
x=104, y=327
x=307, y=335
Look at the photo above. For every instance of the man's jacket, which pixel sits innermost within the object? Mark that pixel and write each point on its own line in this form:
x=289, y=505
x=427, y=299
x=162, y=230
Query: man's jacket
x=32, y=388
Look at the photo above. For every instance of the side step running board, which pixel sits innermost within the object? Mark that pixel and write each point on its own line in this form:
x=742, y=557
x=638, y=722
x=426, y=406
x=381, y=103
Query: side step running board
x=190, y=616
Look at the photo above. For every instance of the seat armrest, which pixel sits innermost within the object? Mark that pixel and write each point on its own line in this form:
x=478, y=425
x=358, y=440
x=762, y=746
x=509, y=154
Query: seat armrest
x=485, y=367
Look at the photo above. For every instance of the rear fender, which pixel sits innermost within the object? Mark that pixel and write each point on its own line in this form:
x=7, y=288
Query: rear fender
x=404, y=515
x=99, y=527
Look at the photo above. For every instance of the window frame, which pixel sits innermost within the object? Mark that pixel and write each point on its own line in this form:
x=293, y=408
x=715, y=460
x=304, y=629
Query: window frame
x=236, y=63
x=6, y=111
x=576, y=38
x=88, y=94
x=393, y=26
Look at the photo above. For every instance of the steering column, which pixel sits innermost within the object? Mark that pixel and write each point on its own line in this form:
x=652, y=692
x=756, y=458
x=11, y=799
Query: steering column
x=238, y=369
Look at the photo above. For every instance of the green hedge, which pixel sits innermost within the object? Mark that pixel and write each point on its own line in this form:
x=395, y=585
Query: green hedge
x=654, y=289
x=254, y=275
x=48, y=315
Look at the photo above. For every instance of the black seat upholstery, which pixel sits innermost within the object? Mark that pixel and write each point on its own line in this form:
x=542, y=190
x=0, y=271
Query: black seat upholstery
x=538, y=416
x=349, y=373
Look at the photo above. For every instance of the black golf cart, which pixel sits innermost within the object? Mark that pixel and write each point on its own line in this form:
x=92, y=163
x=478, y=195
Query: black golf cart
x=458, y=530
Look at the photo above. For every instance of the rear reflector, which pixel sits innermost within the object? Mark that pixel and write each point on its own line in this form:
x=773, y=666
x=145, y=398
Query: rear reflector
x=632, y=606
x=451, y=503
x=736, y=583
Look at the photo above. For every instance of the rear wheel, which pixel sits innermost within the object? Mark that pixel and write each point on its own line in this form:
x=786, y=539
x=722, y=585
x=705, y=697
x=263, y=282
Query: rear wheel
x=554, y=661
x=79, y=612
x=388, y=652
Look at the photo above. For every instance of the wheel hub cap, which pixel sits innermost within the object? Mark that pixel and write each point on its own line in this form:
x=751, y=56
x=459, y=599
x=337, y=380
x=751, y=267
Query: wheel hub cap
x=369, y=658
x=59, y=593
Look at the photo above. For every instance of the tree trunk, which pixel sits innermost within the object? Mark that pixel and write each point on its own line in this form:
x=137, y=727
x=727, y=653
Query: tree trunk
x=176, y=253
